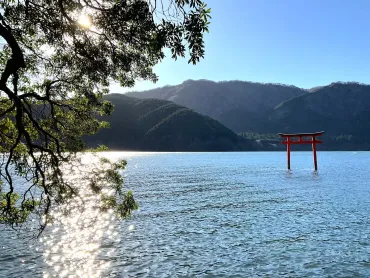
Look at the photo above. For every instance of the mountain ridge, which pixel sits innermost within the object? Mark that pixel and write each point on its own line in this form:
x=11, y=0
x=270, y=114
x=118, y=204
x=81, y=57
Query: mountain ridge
x=342, y=109
x=226, y=101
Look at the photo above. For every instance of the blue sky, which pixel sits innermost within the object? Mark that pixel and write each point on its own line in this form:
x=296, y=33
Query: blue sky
x=305, y=43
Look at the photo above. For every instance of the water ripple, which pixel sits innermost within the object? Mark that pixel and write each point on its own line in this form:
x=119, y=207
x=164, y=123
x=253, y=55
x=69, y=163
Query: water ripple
x=218, y=215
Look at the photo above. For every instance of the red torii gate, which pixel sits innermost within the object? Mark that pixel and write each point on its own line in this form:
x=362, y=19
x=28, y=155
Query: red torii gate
x=312, y=141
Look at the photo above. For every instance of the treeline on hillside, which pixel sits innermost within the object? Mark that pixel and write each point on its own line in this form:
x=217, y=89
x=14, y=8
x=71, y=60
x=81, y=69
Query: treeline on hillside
x=272, y=142
x=159, y=125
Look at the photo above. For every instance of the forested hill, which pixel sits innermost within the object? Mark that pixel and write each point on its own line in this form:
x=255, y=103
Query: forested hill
x=159, y=125
x=238, y=105
x=342, y=110
x=339, y=108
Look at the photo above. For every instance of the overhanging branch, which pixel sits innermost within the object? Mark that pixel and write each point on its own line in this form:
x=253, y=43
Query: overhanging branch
x=17, y=60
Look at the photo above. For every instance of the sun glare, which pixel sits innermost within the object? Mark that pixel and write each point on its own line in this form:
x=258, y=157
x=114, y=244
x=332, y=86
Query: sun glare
x=85, y=21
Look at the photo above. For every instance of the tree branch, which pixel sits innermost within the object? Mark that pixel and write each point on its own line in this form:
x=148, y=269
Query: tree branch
x=17, y=60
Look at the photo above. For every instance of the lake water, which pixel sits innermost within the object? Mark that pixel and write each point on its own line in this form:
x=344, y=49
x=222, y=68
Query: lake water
x=217, y=215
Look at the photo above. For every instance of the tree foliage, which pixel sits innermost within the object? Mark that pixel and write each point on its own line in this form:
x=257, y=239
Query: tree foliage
x=57, y=60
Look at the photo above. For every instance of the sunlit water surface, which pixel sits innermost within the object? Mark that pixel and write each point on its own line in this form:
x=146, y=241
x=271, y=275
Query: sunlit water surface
x=215, y=215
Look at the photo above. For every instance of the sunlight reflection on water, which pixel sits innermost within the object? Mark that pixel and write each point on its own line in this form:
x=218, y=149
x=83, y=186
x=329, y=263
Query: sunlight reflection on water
x=73, y=249
x=73, y=242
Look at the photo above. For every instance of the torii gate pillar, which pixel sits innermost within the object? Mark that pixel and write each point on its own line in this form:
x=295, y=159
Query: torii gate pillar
x=300, y=140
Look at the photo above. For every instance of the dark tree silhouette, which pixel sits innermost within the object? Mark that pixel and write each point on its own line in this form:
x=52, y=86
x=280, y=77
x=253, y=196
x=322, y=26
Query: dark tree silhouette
x=57, y=60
